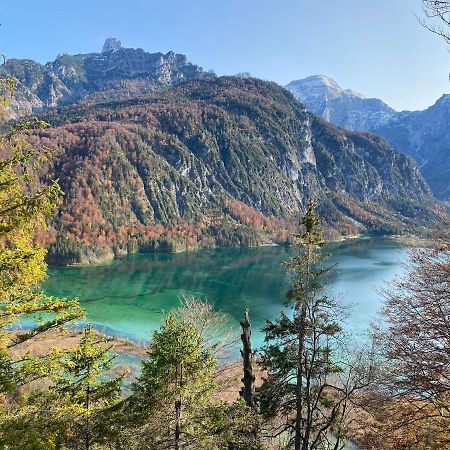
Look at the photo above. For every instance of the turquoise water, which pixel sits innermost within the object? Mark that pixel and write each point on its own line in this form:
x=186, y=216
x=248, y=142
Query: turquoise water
x=128, y=297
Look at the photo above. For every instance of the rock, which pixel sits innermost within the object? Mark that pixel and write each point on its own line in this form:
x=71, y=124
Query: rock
x=71, y=78
x=111, y=45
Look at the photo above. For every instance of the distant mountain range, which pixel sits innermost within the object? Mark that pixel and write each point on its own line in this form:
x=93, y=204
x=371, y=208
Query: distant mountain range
x=115, y=73
x=425, y=135
x=119, y=73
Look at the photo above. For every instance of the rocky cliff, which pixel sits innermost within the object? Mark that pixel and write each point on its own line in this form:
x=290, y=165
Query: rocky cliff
x=422, y=134
x=71, y=78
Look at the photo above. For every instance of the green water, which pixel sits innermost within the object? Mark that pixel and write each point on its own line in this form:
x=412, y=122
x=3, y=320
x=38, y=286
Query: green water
x=127, y=297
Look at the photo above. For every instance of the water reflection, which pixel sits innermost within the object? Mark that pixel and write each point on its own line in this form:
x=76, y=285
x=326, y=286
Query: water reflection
x=127, y=297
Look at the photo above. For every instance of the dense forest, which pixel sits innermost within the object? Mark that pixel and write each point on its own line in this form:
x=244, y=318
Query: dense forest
x=216, y=162
x=309, y=388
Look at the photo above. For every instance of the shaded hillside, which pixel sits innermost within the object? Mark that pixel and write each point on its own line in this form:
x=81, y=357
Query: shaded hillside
x=222, y=161
x=425, y=135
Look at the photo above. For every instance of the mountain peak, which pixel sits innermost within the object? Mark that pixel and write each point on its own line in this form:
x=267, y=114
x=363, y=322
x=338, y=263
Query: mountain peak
x=319, y=86
x=443, y=100
x=111, y=45
x=324, y=97
x=423, y=135
x=116, y=73
x=320, y=80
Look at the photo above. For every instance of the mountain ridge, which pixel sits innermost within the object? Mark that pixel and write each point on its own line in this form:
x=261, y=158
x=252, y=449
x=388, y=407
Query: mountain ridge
x=154, y=153
x=71, y=78
x=423, y=134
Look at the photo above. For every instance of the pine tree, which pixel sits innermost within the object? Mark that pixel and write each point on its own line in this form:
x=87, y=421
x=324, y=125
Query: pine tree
x=25, y=207
x=299, y=355
x=86, y=393
x=175, y=387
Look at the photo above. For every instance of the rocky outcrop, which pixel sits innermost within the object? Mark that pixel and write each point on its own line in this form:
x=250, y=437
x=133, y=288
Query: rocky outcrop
x=71, y=78
x=111, y=45
x=424, y=135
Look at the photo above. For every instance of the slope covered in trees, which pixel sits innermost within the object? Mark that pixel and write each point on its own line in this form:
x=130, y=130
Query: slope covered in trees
x=222, y=161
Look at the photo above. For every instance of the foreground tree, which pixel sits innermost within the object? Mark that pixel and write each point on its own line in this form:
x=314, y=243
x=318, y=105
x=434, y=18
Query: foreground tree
x=301, y=357
x=172, y=405
x=438, y=15
x=416, y=346
x=87, y=394
x=248, y=390
x=175, y=385
x=25, y=207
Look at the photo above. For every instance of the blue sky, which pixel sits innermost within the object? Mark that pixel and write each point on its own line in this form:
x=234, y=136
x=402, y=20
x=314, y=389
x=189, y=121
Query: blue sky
x=375, y=47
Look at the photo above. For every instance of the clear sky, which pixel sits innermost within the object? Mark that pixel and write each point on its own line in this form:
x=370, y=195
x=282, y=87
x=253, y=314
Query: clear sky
x=375, y=47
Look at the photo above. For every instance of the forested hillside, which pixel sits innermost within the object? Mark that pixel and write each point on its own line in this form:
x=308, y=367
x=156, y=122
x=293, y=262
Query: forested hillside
x=217, y=161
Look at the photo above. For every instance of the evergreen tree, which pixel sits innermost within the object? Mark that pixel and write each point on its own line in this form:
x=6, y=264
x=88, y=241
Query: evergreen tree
x=232, y=426
x=299, y=355
x=25, y=206
x=87, y=395
x=175, y=387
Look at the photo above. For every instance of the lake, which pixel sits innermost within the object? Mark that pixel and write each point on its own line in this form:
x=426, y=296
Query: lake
x=128, y=297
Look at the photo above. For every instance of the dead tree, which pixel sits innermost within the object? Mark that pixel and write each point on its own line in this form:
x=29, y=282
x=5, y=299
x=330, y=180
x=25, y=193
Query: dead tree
x=248, y=390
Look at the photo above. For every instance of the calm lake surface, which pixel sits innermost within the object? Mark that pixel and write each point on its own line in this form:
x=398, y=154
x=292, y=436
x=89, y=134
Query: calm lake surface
x=128, y=297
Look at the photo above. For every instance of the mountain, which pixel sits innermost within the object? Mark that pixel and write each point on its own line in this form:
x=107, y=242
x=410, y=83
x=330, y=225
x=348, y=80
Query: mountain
x=323, y=96
x=425, y=135
x=217, y=161
x=422, y=134
x=116, y=73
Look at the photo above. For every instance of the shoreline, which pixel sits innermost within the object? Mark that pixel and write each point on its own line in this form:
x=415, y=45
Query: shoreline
x=110, y=260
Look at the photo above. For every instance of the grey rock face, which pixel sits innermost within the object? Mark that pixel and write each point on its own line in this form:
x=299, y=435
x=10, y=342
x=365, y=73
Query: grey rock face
x=111, y=44
x=323, y=96
x=424, y=135
x=71, y=78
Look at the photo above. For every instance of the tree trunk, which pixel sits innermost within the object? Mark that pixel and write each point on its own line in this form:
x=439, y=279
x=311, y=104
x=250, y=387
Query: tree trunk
x=248, y=390
x=300, y=443
x=298, y=389
x=87, y=435
x=178, y=425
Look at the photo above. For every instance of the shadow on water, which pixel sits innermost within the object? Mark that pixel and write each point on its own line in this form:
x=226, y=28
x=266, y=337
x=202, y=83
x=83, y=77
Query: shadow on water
x=128, y=296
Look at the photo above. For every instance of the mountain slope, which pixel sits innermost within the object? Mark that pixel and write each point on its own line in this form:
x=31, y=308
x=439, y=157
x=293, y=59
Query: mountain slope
x=120, y=72
x=422, y=134
x=222, y=161
x=425, y=135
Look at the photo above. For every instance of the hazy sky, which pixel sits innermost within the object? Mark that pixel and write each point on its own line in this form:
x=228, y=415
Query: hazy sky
x=374, y=47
